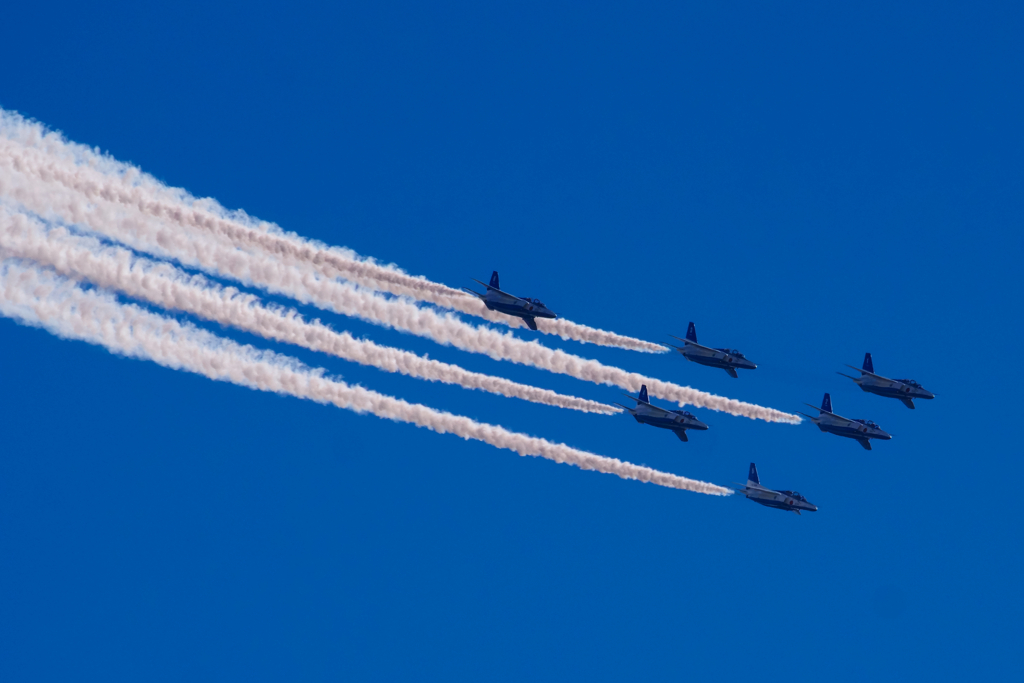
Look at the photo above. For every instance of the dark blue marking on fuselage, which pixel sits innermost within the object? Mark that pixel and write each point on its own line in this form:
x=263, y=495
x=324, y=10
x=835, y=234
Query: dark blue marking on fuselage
x=893, y=392
x=782, y=505
x=851, y=432
x=720, y=363
x=520, y=311
x=669, y=423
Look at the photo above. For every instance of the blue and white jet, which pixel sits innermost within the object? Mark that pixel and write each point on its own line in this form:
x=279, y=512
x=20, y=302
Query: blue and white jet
x=678, y=421
x=520, y=307
x=861, y=430
x=780, y=500
x=905, y=390
x=727, y=359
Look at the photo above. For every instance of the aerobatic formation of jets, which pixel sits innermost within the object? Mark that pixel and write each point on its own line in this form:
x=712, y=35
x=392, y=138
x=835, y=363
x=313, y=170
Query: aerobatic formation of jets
x=731, y=360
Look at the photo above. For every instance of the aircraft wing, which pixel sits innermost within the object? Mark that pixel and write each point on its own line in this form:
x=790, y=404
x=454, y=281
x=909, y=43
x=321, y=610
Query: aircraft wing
x=651, y=405
x=865, y=443
x=688, y=342
x=682, y=435
x=495, y=289
x=825, y=412
x=868, y=373
x=752, y=487
x=732, y=373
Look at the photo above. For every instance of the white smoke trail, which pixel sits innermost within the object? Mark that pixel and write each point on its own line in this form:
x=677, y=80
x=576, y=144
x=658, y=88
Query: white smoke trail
x=37, y=298
x=101, y=178
x=164, y=285
x=144, y=233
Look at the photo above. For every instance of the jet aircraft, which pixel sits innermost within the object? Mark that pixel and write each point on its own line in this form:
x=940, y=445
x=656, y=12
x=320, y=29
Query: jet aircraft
x=727, y=359
x=905, y=390
x=676, y=420
x=780, y=500
x=503, y=302
x=861, y=430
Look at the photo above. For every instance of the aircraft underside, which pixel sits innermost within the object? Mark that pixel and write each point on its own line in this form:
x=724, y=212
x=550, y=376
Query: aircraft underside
x=715, y=363
x=849, y=434
x=514, y=311
x=670, y=425
x=777, y=504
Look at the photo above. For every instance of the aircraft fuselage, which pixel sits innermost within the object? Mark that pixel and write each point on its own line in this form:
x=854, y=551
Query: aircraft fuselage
x=723, y=359
x=851, y=429
x=780, y=501
x=893, y=389
x=519, y=309
x=675, y=424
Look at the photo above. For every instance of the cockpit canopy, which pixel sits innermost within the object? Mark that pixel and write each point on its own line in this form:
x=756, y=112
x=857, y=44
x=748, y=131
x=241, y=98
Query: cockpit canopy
x=535, y=302
x=794, y=495
x=684, y=413
x=868, y=423
x=909, y=382
x=732, y=352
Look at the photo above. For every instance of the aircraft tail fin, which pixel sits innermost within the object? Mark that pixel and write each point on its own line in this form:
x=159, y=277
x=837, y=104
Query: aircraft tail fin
x=826, y=403
x=868, y=365
x=691, y=333
x=643, y=394
x=752, y=478
x=494, y=280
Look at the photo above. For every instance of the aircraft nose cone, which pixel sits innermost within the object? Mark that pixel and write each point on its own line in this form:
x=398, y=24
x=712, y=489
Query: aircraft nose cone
x=814, y=508
x=884, y=435
x=699, y=425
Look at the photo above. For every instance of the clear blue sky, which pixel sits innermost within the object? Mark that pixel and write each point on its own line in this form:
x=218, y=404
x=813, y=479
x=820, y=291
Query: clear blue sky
x=806, y=184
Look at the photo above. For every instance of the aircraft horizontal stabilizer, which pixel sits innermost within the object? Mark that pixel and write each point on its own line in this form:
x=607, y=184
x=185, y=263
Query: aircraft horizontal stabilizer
x=848, y=376
x=815, y=419
x=626, y=408
x=817, y=408
x=476, y=294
